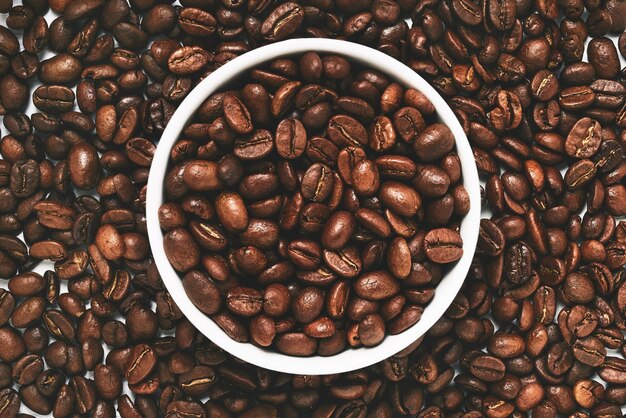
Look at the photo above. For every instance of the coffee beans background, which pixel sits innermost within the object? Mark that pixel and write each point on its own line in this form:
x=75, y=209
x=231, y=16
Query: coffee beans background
x=539, y=326
x=317, y=198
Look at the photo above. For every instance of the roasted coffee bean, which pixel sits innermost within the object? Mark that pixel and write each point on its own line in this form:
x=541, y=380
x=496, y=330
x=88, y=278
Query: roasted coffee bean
x=307, y=305
x=181, y=249
x=34, y=400
x=60, y=69
x=400, y=198
x=409, y=124
x=515, y=76
x=83, y=165
x=25, y=178
x=13, y=343
x=27, y=368
x=603, y=57
x=584, y=139
x=231, y=211
x=108, y=381
x=282, y=22
x=376, y=285
x=487, y=368
x=589, y=351
x=305, y=254
x=237, y=115
x=345, y=131
x=338, y=230
x=55, y=99
x=365, y=178
x=196, y=22
x=317, y=182
x=433, y=142
x=345, y=262
x=244, y=301
x=291, y=138
x=576, y=98
x=613, y=370
x=141, y=362
x=443, y=245
x=276, y=300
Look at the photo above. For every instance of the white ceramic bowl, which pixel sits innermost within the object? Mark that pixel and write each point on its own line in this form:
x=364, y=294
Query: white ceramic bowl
x=350, y=359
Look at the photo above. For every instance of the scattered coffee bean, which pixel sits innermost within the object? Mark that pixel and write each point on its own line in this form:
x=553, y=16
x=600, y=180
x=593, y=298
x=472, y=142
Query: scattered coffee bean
x=549, y=272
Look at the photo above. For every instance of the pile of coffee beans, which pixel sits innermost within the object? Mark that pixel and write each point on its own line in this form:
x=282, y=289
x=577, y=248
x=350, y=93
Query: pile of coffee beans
x=310, y=212
x=538, y=329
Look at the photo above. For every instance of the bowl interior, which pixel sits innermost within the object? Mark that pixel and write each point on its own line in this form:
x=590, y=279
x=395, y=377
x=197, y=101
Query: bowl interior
x=351, y=359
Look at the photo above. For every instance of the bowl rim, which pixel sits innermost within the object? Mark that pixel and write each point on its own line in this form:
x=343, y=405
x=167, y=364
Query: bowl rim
x=351, y=358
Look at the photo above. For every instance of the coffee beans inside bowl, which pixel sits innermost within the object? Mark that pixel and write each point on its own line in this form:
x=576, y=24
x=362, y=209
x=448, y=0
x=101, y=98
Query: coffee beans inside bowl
x=313, y=205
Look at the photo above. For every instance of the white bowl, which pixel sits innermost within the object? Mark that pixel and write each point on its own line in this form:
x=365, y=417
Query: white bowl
x=350, y=359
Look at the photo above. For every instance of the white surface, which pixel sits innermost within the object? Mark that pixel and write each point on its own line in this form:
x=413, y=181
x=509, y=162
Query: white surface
x=350, y=359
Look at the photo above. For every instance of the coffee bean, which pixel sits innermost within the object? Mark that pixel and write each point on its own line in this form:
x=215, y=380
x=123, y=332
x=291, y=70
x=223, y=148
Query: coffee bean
x=256, y=147
x=34, y=400
x=202, y=176
x=84, y=166
x=60, y=69
x=576, y=98
x=345, y=262
x=376, y=285
x=197, y=22
x=399, y=258
x=371, y=330
x=25, y=178
x=580, y=174
x=365, y=178
x=262, y=330
x=7, y=304
x=345, y=131
x=231, y=211
x=506, y=344
x=291, y=138
x=487, y=368
x=48, y=250
x=613, y=370
x=583, y=140
x=55, y=99
x=205, y=293
x=237, y=115
x=276, y=300
x=108, y=381
x=296, y=344
x=443, y=245
x=526, y=99
x=603, y=57
x=11, y=401
x=26, y=369
x=317, y=182
x=589, y=351
x=282, y=22
x=400, y=198
x=307, y=304
x=305, y=254
x=141, y=362
x=84, y=392
x=338, y=230
x=244, y=301
x=28, y=312
x=13, y=343
x=405, y=319
x=181, y=249
x=14, y=94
